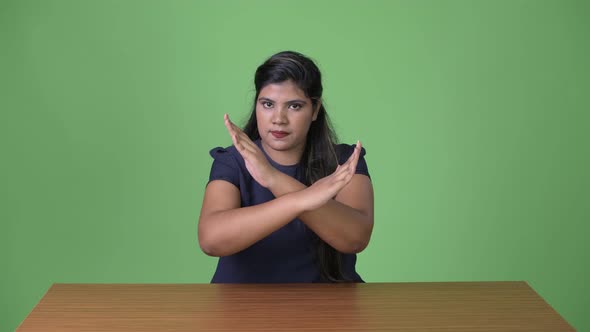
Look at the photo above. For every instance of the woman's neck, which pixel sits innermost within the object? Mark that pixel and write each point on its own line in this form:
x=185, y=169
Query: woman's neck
x=284, y=158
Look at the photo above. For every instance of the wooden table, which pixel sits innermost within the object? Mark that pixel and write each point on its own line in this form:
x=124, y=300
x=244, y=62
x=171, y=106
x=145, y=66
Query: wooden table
x=445, y=306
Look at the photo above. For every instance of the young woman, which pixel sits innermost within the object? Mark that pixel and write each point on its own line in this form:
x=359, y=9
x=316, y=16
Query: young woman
x=285, y=203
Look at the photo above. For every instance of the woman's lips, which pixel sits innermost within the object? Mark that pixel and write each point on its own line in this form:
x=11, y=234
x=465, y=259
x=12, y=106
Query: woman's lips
x=279, y=134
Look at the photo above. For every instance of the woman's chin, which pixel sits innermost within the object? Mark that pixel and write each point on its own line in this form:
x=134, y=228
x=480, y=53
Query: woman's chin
x=278, y=145
x=283, y=144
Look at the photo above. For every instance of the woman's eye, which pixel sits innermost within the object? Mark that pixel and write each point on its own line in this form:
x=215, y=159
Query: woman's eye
x=267, y=104
x=296, y=106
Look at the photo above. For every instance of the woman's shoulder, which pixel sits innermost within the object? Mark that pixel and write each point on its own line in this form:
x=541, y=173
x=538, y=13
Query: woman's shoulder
x=221, y=151
x=227, y=165
x=344, y=151
x=228, y=155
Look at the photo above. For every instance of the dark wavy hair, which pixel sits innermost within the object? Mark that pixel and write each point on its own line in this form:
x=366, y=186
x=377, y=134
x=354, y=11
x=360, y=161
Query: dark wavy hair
x=319, y=156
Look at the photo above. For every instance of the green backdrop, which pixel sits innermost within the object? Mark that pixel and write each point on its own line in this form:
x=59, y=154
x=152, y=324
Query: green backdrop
x=474, y=115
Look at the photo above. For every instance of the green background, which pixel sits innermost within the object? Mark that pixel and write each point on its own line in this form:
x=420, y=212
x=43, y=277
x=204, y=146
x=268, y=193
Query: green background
x=474, y=115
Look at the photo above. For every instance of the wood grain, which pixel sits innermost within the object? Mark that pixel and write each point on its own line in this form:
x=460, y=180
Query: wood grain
x=448, y=306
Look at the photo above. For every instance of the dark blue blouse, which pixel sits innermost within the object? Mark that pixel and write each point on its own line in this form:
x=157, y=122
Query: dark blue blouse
x=286, y=255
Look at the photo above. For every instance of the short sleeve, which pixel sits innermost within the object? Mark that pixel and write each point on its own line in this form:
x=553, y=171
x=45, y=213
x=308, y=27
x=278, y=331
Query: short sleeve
x=344, y=151
x=225, y=167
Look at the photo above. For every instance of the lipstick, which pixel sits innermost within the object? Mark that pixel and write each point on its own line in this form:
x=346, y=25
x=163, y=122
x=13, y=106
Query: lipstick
x=279, y=134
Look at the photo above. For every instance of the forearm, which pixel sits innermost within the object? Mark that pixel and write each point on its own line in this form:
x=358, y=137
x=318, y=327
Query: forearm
x=346, y=229
x=227, y=232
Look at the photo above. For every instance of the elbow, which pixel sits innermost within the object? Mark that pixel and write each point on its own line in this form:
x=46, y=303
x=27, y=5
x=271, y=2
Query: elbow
x=354, y=247
x=208, y=249
x=208, y=244
x=215, y=246
x=213, y=249
x=214, y=241
x=358, y=243
x=350, y=246
x=363, y=241
x=361, y=246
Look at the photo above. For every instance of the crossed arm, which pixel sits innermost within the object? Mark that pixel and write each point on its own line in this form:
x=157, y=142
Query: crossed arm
x=338, y=208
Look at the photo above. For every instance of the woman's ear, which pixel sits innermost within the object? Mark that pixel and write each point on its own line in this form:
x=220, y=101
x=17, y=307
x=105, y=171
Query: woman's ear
x=316, y=110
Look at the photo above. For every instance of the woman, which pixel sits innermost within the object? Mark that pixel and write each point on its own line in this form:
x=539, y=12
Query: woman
x=285, y=203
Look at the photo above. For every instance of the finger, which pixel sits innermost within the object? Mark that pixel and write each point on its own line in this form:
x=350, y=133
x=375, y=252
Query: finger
x=226, y=121
x=228, y=124
x=344, y=177
x=240, y=146
x=241, y=136
x=246, y=139
x=348, y=169
x=245, y=146
x=348, y=161
x=342, y=170
x=238, y=136
x=351, y=159
x=356, y=154
x=246, y=142
x=243, y=150
x=237, y=144
x=232, y=128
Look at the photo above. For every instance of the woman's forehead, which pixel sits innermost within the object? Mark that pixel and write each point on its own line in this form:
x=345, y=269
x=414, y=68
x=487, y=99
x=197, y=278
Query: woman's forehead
x=286, y=90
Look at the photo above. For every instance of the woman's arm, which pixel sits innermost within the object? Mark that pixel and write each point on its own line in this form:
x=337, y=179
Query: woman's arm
x=345, y=222
x=225, y=228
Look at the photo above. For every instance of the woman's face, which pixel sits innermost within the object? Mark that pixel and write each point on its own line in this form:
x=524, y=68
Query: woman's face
x=284, y=115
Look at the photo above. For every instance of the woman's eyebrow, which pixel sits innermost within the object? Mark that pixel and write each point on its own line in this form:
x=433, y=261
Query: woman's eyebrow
x=296, y=101
x=287, y=102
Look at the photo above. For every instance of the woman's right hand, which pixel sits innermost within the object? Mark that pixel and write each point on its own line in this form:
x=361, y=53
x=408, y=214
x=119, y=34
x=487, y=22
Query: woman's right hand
x=256, y=163
x=328, y=187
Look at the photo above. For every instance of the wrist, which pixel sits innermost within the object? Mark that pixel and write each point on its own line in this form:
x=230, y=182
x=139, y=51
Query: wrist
x=273, y=179
x=298, y=201
x=283, y=184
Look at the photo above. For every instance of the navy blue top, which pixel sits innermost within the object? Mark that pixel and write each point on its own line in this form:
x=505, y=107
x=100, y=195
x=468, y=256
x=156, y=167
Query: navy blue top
x=286, y=255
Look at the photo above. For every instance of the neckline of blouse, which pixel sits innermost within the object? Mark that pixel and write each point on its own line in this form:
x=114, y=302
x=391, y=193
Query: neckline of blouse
x=258, y=142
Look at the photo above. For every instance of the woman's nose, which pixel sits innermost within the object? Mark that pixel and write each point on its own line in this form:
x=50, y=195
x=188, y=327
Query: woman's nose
x=279, y=116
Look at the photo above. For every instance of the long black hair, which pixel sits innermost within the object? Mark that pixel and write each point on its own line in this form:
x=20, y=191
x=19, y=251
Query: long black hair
x=319, y=157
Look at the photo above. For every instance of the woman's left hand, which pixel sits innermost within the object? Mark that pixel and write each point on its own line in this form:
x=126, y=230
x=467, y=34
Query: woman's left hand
x=256, y=162
x=326, y=188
